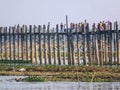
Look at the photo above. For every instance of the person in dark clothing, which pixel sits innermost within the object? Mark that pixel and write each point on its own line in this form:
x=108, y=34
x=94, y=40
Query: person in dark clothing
x=61, y=27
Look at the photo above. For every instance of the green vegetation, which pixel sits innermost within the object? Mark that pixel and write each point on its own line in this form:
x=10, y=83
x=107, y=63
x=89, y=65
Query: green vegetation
x=63, y=73
x=15, y=61
x=34, y=79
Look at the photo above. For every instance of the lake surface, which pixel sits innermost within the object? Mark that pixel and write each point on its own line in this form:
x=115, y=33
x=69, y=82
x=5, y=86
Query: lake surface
x=9, y=83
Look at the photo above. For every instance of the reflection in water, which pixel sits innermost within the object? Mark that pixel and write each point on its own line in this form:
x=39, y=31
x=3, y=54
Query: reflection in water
x=8, y=83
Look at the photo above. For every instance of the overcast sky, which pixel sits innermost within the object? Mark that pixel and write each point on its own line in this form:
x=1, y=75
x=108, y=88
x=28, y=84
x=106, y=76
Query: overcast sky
x=39, y=12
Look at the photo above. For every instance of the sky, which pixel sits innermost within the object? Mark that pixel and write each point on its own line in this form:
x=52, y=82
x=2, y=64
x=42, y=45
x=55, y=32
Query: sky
x=39, y=12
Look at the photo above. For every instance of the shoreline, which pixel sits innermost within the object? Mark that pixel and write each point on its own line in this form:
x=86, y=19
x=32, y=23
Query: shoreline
x=64, y=73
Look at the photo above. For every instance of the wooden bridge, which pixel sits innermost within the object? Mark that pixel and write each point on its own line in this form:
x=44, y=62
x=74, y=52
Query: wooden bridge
x=42, y=45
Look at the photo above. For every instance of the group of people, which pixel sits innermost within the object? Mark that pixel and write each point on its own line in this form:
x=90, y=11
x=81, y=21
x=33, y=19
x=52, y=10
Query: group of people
x=84, y=26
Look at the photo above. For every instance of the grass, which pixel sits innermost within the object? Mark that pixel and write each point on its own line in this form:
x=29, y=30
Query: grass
x=15, y=61
x=63, y=73
x=34, y=79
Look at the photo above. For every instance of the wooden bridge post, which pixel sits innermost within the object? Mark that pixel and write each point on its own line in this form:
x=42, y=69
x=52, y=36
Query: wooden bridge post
x=58, y=45
x=14, y=36
x=40, y=44
x=31, y=56
x=49, y=45
x=27, y=50
x=35, y=28
x=44, y=46
x=84, y=49
x=78, y=47
x=5, y=43
x=72, y=53
x=10, y=44
x=22, y=43
x=97, y=50
x=118, y=46
x=0, y=43
x=18, y=32
x=101, y=48
x=64, y=52
x=54, y=47
x=88, y=47
x=110, y=56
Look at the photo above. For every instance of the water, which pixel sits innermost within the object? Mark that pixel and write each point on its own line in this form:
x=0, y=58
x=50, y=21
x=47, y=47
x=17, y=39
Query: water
x=8, y=83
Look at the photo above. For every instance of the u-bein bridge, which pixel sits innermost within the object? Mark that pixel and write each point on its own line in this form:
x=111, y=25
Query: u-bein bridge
x=40, y=45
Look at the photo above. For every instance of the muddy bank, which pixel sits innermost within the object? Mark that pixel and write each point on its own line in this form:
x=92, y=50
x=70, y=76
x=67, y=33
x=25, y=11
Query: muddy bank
x=64, y=73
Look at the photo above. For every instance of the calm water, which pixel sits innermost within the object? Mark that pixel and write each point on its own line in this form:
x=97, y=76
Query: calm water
x=8, y=83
